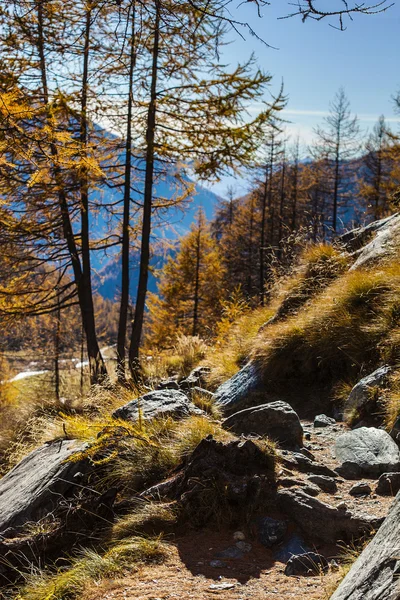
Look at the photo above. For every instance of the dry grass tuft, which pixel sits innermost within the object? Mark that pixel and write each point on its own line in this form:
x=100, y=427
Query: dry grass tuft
x=91, y=566
x=151, y=518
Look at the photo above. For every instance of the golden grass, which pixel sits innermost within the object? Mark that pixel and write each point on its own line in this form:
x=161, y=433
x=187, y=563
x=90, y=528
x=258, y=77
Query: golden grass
x=151, y=518
x=92, y=566
x=337, y=333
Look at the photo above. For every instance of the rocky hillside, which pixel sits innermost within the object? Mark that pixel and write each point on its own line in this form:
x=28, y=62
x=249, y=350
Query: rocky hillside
x=265, y=486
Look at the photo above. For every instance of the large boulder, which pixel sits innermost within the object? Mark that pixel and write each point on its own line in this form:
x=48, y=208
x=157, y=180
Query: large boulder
x=322, y=521
x=382, y=246
x=160, y=403
x=355, y=239
x=366, y=452
x=375, y=574
x=276, y=420
x=236, y=390
x=38, y=484
x=361, y=400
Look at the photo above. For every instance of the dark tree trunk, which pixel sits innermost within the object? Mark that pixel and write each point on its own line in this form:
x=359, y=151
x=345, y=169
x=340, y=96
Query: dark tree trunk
x=197, y=283
x=85, y=303
x=137, y=326
x=262, y=235
x=97, y=367
x=124, y=303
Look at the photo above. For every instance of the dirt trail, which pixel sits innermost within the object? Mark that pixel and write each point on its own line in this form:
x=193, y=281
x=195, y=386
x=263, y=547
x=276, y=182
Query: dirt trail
x=187, y=573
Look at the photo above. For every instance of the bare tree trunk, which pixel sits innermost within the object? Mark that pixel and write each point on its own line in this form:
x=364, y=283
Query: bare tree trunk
x=97, y=367
x=262, y=236
x=137, y=326
x=197, y=281
x=84, y=291
x=124, y=303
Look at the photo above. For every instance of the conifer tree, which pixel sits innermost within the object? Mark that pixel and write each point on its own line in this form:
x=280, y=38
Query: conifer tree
x=190, y=289
x=377, y=168
x=337, y=142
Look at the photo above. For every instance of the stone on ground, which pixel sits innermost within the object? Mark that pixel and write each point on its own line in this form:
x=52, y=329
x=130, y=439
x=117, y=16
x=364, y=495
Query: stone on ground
x=366, y=452
x=276, y=420
x=160, y=403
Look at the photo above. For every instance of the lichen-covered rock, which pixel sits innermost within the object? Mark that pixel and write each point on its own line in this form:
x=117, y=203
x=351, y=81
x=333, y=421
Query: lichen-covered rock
x=375, y=574
x=276, y=420
x=160, y=403
x=323, y=421
x=361, y=401
x=236, y=390
x=366, y=452
x=39, y=483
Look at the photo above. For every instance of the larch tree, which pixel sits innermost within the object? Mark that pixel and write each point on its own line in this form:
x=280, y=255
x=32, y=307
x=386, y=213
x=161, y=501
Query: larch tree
x=337, y=142
x=190, y=289
x=377, y=162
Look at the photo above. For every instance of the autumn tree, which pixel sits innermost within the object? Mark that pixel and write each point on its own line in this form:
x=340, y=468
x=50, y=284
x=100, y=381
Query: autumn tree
x=336, y=143
x=377, y=162
x=190, y=289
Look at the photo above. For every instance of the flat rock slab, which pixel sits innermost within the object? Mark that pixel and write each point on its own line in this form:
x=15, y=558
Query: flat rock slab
x=34, y=487
x=323, y=521
x=375, y=574
x=157, y=404
x=276, y=420
x=366, y=452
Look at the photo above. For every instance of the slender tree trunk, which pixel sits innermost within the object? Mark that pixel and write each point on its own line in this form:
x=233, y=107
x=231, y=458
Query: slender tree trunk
x=68, y=233
x=124, y=303
x=250, y=251
x=197, y=282
x=295, y=186
x=262, y=235
x=97, y=366
x=137, y=326
x=378, y=183
x=57, y=351
x=282, y=204
x=336, y=183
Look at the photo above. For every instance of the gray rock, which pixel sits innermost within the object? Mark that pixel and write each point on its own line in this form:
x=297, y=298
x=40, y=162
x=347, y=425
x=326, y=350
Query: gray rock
x=375, y=574
x=277, y=420
x=323, y=421
x=168, y=384
x=360, y=400
x=294, y=545
x=388, y=484
x=295, y=460
x=34, y=488
x=270, y=531
x=198, y=377
x=382, y=246
x=326, y=484
x=237, y=389
x=366, y=452
x=309, y=563
x=355, y=239
x=323, y=521
x=160, y=403
x=360, y=489
x=201, y=392
x=311, y=490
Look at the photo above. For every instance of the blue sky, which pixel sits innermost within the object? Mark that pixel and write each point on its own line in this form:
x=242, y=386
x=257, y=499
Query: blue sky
x=314, y=60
